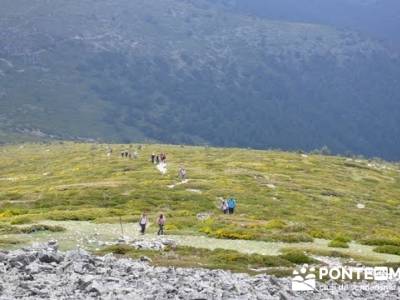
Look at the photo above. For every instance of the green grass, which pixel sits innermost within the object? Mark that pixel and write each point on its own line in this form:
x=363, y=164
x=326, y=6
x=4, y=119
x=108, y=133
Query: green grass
x=8, y=242
x=9, y=229
x=338, y=244
x=388, y=249
x=214, y=259
x=319, y=252
x=340, y=241
x=282, y=196
x=380, y=242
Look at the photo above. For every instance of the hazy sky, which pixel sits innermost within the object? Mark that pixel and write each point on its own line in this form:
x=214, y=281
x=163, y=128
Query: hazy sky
x=378, y=18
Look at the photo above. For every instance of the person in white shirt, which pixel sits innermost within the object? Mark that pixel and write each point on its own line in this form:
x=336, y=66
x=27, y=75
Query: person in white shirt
x=143, y=223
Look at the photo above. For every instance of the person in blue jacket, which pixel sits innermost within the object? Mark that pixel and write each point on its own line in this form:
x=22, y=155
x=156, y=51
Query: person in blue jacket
x=231, y=205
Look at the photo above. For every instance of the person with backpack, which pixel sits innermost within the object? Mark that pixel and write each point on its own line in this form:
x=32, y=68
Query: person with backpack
x=224, y=206
x=231, y=205
x=161, y=223
x=182, y=173
x=143, y=223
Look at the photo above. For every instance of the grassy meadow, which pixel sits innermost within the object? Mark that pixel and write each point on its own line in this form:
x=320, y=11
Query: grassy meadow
x=281, y=196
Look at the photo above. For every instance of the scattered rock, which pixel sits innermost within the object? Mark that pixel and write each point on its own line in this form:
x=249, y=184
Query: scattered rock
x=203, y=216
x=80, y=275
x=146, y=259
x=194, y=191
x=47, y=257
x=155, y=244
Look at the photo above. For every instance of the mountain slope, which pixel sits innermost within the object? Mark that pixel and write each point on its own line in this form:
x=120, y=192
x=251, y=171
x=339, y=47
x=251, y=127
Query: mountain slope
x=280, y=195
x=192, y=72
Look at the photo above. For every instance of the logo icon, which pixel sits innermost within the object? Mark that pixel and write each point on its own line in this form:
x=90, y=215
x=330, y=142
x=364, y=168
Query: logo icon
x=304, y=279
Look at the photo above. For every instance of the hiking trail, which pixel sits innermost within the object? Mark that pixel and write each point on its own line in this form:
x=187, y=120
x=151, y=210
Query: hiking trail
x=162, y=167
x=93, y=236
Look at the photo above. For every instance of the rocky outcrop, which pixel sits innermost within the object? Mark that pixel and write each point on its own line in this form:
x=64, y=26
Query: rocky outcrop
x=42, y=272
x=154, y=244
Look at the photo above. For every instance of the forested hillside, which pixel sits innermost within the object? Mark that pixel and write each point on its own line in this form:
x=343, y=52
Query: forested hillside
x=193, y=72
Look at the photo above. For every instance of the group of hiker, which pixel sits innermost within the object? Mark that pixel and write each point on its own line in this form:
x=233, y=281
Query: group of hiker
x=129, y=154
x=158, y=158
x=228, y=206
x=126, y=153
x=143, y=222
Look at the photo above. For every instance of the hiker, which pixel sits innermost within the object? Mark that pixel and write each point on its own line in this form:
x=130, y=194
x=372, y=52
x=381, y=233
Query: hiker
x=109, y=152
x=224, y=206
x=231, y=205
x=161, y=223
x=143, y=223
x=182, y=173
x=153, y=158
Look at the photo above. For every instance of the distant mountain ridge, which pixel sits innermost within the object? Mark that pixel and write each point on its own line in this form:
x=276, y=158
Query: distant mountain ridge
x=193, y=72
x=377, y=18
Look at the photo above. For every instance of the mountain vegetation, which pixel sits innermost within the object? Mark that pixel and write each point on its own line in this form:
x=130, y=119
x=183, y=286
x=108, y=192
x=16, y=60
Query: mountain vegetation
x=281, y=196
x=194, y=72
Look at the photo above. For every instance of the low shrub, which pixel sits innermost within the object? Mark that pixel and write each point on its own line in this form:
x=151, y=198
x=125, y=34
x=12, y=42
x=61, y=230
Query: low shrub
x=342, y=238
x=21, y=220
x=380, y=242
x=275, y=224
x=82, y=214
x=9, y=241
x=280, y=272
x=338, y=244
x=326, y=252
x=230, y=257
x=233, y=234
x=388, y=249
x=296, y=227
x=320, y=234
x=8, y=229
x=9, y=213
x=40, y=227
x=297, y=257
x=171, y=227
x=206, y=229
x=292, y=238
x=117, y=249
x=340, y=241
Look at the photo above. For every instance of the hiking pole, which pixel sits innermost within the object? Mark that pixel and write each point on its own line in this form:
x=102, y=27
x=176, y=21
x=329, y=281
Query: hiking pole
x=122, y=228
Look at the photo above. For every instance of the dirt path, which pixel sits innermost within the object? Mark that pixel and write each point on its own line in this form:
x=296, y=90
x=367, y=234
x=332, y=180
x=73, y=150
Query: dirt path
x=92, y=236
x=179, y=183
x=162, y=167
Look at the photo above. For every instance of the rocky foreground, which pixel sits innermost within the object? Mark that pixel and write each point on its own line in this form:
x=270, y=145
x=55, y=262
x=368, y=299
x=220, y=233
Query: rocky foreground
x=42, y=272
